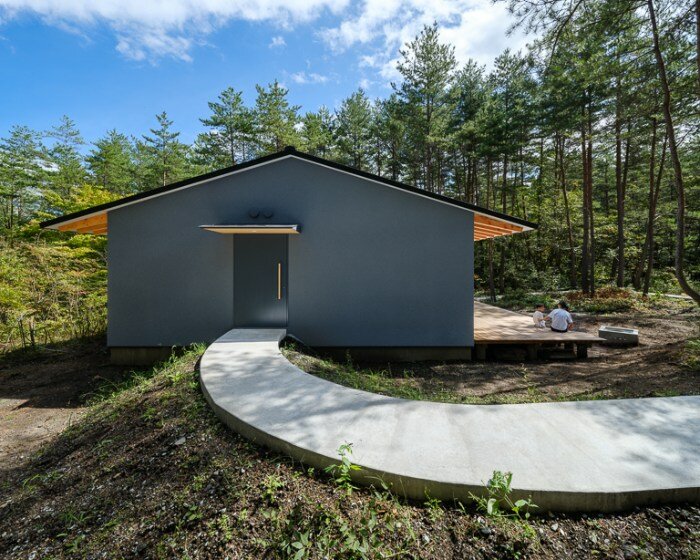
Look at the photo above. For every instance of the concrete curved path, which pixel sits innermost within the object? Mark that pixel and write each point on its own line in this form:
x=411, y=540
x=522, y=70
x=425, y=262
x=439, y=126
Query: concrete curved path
x=571, y=456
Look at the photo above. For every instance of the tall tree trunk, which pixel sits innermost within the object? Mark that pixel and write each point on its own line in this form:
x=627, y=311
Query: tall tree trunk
x=675, y=159
x=652, y=214
x=621, y=193
x=620, y=184
x=489, y=183
x=504, y=209
x=639, y=269
x=697, y=40
x=585, y=250
x=654, y=187
x=591, y=224
x=567, y=214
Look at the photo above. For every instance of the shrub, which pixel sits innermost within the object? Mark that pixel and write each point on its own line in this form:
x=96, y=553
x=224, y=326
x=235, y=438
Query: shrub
x=51, y=292
x=608, y=299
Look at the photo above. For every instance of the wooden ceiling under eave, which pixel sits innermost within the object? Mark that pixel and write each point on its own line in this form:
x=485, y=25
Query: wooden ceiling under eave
x=484, y=227
x=96, y=225
x=488, y=228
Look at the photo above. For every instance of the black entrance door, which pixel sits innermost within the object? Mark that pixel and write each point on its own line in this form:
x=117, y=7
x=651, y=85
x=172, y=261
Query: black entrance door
x=260, y=281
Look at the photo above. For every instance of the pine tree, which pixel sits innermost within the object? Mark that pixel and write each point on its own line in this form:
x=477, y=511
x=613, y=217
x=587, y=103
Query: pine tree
x=111, y=163
x=427, y=67
x=317, y=133
x=66, y=162
x=275, y=119
x=21, y=176
x=230, y=136
x=391, y=132
x=163, y=157
x=354, y=130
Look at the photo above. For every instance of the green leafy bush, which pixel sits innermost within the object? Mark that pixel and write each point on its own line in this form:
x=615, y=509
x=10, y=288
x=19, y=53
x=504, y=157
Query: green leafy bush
x=52, y=291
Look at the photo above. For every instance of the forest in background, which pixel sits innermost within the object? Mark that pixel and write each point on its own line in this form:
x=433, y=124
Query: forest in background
x=592, y=132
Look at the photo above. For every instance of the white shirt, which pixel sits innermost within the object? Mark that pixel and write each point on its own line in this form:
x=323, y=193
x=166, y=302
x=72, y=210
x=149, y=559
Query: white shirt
x=538, y=318
x=561, y=319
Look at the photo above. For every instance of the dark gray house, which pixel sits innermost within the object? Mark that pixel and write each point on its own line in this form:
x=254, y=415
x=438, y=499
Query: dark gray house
x=339, y=257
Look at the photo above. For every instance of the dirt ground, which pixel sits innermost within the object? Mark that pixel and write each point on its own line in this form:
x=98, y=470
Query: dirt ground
x=651, y=369
x=150, y=473
x=654, y=368
x=44, y=391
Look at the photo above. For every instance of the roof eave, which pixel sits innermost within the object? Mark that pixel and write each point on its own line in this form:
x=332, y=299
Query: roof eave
x=286, y=153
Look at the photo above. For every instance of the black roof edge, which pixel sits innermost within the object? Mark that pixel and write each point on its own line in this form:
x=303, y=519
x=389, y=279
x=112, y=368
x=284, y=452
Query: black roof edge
x=289, y=150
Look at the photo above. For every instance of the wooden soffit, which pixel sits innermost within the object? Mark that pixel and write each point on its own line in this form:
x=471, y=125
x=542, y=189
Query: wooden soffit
x=95, y=225
x=486, y=227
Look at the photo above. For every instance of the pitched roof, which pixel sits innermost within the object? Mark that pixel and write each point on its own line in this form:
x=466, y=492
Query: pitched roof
x=93, y=220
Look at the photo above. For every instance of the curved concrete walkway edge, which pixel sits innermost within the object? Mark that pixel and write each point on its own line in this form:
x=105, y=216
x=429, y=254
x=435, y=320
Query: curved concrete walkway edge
x=570, y=456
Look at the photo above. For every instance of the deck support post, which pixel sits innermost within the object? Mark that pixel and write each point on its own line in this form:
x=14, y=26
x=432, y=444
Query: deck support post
x=582, y=350
x=480, y=350
x=532, y=352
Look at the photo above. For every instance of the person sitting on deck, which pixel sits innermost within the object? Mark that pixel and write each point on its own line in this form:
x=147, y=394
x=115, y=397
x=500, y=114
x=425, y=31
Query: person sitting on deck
x=538, y=316
x=561, y=320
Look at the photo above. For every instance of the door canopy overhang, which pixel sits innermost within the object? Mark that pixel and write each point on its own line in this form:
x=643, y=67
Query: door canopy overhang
x=253, y=228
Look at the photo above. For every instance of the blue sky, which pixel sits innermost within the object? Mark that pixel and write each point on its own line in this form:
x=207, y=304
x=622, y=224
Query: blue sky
x=116, y=63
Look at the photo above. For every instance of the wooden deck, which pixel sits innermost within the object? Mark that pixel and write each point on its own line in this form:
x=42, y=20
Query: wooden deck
x=493, y=325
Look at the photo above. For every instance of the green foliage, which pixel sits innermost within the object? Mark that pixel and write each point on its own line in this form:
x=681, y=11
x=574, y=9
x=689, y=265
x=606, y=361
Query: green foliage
x=51, y=292
x=692, y=354
x=317, y=133
x=271, y=486
x=498, y=502
x=163, y=158
x=434, y=507
x=342, y=472
x=81, y=196
x=275, y=119
x=66, y=170
x=231, y=131
x=353, y=130
x=112, y=163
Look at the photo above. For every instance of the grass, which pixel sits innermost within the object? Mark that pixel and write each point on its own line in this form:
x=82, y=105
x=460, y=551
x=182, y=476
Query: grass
x=149, y=472
x=403, y=383
x=691, y=357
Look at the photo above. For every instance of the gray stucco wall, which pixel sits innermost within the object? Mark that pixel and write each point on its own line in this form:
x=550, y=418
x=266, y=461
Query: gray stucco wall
x=373, y=266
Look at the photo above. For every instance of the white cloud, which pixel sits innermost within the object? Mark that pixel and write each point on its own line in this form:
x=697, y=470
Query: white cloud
x=156, y=28
x=376, y=29
x=476, y=28
x=277, y=42
x=310, y=78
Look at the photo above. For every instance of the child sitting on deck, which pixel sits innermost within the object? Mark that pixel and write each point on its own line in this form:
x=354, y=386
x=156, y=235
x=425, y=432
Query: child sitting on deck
x=561, y=318
x=538, y=316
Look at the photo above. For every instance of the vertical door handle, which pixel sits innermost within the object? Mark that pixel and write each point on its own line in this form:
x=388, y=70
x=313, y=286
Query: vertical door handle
x=279, y=280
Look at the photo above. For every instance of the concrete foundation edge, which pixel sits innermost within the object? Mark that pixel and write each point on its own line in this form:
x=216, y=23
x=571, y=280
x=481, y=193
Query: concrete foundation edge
x=139, y=356
x=397, y=353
